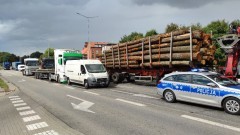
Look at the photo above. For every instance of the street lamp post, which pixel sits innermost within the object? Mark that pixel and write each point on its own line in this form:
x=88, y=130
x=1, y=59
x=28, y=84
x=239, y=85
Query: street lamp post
x=88, y=20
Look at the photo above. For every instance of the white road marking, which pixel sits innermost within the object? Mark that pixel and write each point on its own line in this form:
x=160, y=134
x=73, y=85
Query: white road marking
x=69, y=87
x=23, y=108
x=91, y=93
x=27, y=112
x=22, y=80
x=130, y=102
x=121, y=86
x=20, y=104
x=211, y=123
x=50, y=132
x=119, y=91
x=17, y=101
x=37, y=126
x=13, y=97
x=144, y=96
x=136, y=95
x=82, y=106
x=31, y=118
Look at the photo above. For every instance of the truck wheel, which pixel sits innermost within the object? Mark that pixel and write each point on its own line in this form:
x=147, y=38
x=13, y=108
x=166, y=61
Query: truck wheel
x=121, y=78
x=68, y=81
x=86, y=85
x=58, y=79
x=231, y=105
x=115, y=77
x=49, y=77
x=36, y=76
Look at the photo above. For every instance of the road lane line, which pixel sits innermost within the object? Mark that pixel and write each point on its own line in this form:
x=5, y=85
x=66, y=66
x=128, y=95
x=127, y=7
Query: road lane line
x=211, y=123
x=119, y=86
x=91, y=93
x=49, y=132
x=144, y=96
x=20, y=104
x=31, y=118
x=119, y=91
x=70, y=87
x=130, y=102
x=17, y=101
x=36, y=126
x=23, y=108
x=76, y=98
x=13, y=97
x=27, y=113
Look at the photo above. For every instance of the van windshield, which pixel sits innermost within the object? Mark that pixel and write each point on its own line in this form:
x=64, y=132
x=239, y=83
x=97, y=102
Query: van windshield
x=95, y=68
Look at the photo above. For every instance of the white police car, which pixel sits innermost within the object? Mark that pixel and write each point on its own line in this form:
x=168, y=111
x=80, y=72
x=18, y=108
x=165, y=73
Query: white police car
x=206, y=88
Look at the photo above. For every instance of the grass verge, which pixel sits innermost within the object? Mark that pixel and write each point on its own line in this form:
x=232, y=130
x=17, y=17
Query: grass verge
x=4, y=85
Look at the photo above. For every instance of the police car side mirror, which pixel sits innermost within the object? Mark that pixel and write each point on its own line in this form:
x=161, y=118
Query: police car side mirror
x=212, y=85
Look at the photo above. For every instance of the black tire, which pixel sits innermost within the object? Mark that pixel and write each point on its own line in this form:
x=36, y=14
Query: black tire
x=49, y=77
x=169, y=96
x=58, y=79
x=231, y=105
x=115, y=77
x=86, y=85
x=68, y=81
x=36, y=77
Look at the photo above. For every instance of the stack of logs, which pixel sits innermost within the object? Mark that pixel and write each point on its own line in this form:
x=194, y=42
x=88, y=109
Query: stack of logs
x=168, y=49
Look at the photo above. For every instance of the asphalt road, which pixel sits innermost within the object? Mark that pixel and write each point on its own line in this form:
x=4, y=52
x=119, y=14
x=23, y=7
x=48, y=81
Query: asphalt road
x=124, y=109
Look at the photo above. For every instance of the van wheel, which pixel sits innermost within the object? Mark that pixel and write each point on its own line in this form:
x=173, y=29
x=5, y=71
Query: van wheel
x=86, y=85
x=169, y=96
x=68, y=81
x=231, y=105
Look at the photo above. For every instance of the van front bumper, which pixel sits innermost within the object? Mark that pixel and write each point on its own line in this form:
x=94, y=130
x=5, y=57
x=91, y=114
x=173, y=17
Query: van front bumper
x=98, y=82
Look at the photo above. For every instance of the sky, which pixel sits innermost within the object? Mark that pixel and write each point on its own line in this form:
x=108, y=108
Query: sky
x=27, y=26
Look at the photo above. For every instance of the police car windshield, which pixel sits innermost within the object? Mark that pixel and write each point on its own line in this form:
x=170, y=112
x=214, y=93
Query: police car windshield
x=222, y=80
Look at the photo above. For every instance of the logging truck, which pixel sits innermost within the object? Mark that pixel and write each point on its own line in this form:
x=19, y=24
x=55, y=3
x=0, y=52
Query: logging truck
x=152, y=57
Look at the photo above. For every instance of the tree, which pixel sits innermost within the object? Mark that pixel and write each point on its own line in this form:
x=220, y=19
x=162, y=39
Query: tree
x=45, y=54
x=171, y=27
x=218, y=28
x=131, y=37
x=151, y=33
x=5, y=56
x=36, y=54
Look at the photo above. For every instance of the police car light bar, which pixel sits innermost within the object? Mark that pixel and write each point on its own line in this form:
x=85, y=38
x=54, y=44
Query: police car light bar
x=199, y=70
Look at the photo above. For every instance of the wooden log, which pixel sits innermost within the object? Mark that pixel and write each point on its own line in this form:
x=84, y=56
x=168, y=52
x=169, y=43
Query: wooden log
x=123, y=66
x=166, y=63
x=195, y=35
x=154, y=46
x=196, y=48
x=175, y=56
x=122, y=62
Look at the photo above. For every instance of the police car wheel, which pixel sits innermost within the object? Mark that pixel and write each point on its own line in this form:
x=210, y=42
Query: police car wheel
x=231, y=105
x=169, y=96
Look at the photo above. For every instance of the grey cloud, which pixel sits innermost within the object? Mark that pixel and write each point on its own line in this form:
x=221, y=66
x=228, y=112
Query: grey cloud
x=178, y=3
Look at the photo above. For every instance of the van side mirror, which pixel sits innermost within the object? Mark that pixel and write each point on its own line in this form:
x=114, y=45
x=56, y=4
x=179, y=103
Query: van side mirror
x=212, y=85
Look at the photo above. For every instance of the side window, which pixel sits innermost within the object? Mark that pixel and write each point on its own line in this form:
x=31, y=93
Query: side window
x=170, y=78
x=83, y=71
x=183, y=78
x=201, y=80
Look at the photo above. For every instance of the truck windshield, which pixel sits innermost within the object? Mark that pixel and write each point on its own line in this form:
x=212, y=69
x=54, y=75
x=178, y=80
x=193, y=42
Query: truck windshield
x=222, y=80
x=48, y=64
x=95, y=68
x=31, y=63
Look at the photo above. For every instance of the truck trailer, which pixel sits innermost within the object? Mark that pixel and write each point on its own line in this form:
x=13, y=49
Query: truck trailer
x=46, y=67
x=15, y=65
x=152, y=57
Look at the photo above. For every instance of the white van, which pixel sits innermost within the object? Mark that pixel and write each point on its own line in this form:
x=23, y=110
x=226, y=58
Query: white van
x=86, y=72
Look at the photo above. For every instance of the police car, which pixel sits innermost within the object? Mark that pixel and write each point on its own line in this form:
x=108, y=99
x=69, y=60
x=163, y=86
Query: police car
x=202, y=87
